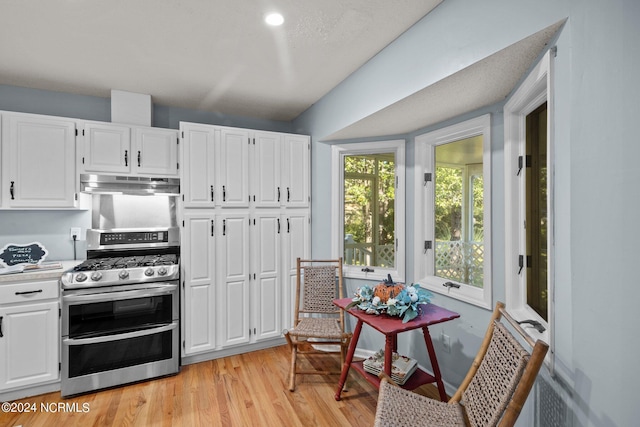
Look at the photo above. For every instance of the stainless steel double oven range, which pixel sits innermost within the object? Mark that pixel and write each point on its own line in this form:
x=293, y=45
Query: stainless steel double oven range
x=120, y=307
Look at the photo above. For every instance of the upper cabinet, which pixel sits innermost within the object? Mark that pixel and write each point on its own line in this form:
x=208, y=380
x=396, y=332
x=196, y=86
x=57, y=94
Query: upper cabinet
x=234, y=167
x=198, y=181
x=266, y=169
x=106, y=148
x=120, y=149
x=295, y=171
x=38, y=161
x=239, y=168
x=156, y=151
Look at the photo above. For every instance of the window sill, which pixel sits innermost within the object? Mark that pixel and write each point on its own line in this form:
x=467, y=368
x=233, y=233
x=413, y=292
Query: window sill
x=465, y=293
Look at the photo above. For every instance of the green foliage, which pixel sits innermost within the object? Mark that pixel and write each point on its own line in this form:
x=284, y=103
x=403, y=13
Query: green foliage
x=369, y=189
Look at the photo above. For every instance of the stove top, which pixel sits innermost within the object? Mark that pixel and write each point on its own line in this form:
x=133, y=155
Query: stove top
x=122, y=270
x=120, y=262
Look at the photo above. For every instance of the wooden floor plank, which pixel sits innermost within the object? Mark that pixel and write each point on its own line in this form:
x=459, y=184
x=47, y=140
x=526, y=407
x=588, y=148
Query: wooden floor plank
x=250, y=389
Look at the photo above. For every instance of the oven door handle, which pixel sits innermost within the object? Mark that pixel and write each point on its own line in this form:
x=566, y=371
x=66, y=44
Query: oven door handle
x=117, y=337
x=112, y=296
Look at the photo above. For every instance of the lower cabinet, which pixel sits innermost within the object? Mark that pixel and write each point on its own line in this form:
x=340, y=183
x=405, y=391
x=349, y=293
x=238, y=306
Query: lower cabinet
x=236, y=277
x=198, y=280
x=29, y=334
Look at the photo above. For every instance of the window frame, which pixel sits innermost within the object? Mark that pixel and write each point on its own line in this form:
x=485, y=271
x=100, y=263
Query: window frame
x=533, y=92
x=424, y=259
x=338, y=152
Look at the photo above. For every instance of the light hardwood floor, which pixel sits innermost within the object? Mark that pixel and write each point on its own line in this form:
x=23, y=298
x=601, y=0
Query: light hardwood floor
x=244, y=390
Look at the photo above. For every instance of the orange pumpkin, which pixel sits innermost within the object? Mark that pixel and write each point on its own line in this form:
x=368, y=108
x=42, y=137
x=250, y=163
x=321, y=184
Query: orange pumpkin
x=384, y=291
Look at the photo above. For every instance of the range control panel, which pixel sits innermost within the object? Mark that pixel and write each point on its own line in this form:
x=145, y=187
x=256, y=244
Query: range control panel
x=125, y=237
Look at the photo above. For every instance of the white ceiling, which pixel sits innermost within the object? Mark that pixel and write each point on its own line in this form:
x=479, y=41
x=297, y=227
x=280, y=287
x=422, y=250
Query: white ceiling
x=212, y=55
x=218, y=56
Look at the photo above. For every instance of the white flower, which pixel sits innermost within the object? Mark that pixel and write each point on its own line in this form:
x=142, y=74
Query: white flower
x=392, y=301
x=414, y=297
x=376, y=301
x=411, y=290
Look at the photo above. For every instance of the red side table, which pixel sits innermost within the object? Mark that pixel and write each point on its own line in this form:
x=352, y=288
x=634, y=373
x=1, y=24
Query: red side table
x=391, y=326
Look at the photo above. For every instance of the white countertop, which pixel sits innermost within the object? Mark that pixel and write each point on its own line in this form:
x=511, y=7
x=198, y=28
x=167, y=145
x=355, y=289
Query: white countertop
x=39, y=275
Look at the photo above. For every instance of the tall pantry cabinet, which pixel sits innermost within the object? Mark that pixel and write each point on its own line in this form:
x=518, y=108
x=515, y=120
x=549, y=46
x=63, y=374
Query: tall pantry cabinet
x=246, y=218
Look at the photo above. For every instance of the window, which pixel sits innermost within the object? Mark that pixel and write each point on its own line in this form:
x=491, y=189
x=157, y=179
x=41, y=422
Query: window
x=368, y=188
x=453, y=218
x=529, y=201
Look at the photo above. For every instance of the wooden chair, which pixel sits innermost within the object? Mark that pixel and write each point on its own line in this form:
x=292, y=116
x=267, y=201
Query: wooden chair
x=318, y=324
x=492, y=394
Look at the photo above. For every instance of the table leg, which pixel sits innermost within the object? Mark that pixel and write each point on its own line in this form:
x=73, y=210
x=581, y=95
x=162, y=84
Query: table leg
x=349, y=359
x=434, y=364
x=390, y=344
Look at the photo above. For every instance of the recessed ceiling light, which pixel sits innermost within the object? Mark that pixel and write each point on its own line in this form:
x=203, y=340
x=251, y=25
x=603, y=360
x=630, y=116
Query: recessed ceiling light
x=274, y=19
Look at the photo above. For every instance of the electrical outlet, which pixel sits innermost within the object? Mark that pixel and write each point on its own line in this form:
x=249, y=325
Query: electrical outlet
x=75, y=231
x=446, y=343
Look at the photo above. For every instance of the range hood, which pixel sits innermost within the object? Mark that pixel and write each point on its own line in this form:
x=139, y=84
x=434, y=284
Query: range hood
x=111, y=184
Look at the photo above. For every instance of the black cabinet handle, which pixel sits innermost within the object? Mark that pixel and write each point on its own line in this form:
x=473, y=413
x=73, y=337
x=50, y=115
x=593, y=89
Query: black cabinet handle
x=224, y=227
x=1, y=334
x=11, y=189
x=29, y=292
x=212, y=193
x=224, y=193
x=288, y=226
x=278, y=225
x=212, y=228
x=139, y=158
x=278, y=194
x=288, y=195
x=126, y=158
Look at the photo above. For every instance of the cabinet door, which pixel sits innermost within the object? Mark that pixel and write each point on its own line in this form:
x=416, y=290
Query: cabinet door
x=266, y=290
x=297, y=244
x=234, y=167
x=38, y=162
x=295, y=178
x=233, y=269
x=29, y=344
x=198, y=258
x=266, y=170
x=156, y=151
x=107, y=148
x=198, y=170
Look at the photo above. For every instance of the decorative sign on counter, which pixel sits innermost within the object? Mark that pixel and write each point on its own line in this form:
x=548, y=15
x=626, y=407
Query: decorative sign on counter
x=14, y=254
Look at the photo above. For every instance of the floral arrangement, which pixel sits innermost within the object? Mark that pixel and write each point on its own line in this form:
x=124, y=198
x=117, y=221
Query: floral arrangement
x=404, y=304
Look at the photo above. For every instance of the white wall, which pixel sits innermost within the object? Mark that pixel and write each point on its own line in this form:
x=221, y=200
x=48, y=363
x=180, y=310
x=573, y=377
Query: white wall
x=596, y=94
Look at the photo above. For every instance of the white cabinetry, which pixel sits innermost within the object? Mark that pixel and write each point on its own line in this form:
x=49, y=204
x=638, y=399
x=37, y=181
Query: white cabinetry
x=266, y=169
x=244, y=191
x=38, y=161
x=266, y=268
x=233, y=278
x=29, y=334
x=297, y=244
x=107, y=148
x=198, y=180
x=295, y=172
x=156, y=151
x=234, y=167
x=119, y=149
x=198, y=272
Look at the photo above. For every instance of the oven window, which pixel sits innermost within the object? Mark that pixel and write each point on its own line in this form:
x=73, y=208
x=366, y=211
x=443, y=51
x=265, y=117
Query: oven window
x=106, y=356
x=124, y=315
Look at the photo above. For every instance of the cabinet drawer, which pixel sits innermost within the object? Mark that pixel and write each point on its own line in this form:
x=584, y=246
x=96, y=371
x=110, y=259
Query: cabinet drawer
x=29, y=291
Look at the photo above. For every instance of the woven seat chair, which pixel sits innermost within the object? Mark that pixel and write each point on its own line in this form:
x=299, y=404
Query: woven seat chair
x=318, y=325
x=492, y=394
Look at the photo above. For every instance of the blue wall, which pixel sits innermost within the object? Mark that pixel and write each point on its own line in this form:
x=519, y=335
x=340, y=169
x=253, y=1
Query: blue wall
x=37, y=101
x=596, y=102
